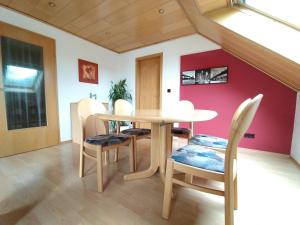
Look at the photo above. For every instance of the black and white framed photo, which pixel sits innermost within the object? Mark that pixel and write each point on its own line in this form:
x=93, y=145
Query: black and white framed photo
x=205, y=76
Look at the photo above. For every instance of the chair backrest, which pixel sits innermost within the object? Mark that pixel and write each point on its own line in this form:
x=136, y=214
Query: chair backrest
x=240, y=123
x=123, y=107
x=94, y=126
x=86, y=108
x=186, y=106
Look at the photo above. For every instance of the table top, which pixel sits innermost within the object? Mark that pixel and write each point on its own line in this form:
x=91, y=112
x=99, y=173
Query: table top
x=160, y=116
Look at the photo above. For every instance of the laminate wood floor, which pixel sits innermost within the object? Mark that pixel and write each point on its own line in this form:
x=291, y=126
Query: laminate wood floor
x=43, y=187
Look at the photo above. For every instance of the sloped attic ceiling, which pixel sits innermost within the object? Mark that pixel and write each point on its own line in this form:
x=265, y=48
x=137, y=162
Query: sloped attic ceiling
x=268, y=45
x=123, y=25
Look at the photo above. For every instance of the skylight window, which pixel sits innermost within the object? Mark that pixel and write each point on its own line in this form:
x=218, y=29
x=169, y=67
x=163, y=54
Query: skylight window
x=285, y=10
x=20, y=73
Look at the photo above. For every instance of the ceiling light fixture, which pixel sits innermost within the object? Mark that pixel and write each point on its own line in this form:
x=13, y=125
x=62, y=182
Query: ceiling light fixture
x=51, y=4
x=161, y=11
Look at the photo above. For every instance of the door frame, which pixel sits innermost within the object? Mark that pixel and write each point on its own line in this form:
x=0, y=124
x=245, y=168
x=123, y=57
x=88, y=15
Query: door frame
x=51, y=97
x=137, y=60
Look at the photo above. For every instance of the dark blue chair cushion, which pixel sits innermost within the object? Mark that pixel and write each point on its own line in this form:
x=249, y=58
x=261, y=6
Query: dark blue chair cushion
x=179, y=130
x=209, y=141
x=201, y=157
x=107, y=139
x=136, y=131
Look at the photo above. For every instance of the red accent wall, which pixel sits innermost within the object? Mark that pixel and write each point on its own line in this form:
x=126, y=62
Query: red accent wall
x=274, y=121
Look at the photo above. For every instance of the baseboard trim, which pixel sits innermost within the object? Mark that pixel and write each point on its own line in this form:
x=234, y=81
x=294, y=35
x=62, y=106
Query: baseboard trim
x=295, y=162
x=66, y=142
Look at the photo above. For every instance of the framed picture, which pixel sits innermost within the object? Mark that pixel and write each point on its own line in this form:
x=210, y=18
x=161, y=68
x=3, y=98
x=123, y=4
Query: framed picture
x=205, y=76
x=88, y=71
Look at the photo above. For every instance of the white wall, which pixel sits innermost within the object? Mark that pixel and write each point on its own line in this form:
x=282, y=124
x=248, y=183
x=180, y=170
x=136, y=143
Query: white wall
x=295, y=152
x=172, y=50
x=68, y=49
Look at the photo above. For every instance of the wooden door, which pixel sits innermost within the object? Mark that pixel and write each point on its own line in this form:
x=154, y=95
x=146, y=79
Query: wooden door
x=34, y=135
x=148, y=83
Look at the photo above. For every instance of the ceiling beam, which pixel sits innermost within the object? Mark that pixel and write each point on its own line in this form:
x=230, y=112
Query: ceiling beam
x=206, y=6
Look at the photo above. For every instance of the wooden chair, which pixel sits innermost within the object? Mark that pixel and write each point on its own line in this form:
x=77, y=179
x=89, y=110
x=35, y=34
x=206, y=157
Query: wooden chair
x=94, y=137
x=123, y=107
x=214, y=164
x=185, y=107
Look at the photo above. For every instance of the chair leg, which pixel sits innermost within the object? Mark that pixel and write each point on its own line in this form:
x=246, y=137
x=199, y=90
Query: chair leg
x=131, y=155
x=99, y=170
x=170, y=150
x=235, y=193
x=81, y=161
x=134, y=152
x=116, y=157
x=106, y=157
x=229, y=202
x=168, y=189
x=188, y=178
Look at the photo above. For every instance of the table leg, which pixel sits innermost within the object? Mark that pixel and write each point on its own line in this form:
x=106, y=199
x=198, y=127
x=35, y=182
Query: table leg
x=165, y=148
x=154, y=154
x=169, y=139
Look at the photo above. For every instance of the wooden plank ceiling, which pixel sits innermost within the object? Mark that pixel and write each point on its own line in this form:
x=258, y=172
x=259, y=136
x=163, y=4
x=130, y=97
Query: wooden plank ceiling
x=119, y=25
x=211, y=20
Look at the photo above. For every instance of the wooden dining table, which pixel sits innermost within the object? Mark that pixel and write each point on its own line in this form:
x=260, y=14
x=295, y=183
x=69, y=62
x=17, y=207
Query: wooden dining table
x=161, y=137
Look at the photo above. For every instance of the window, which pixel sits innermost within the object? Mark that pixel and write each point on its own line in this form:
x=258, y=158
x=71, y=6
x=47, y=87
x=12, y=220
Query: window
x=284, y=10
x=23, y=79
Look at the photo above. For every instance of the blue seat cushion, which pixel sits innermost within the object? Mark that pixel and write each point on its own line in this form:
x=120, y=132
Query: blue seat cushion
x=107, y=139
x=179, y=130
x=209, y=141
x=136, y=131
x=201, y=157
